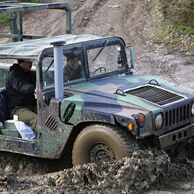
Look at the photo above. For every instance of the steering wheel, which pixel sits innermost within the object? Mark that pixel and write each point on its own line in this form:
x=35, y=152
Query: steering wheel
x=100, y=69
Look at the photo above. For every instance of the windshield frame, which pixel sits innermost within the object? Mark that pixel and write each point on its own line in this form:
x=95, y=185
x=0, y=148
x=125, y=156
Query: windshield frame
x=103, y=44
x=83, y=46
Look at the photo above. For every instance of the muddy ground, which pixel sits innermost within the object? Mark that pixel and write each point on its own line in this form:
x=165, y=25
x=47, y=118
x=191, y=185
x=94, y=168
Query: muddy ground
x=149, y=171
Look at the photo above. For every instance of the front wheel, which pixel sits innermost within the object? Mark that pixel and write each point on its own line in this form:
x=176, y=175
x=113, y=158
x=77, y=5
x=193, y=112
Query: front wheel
x=99, y=143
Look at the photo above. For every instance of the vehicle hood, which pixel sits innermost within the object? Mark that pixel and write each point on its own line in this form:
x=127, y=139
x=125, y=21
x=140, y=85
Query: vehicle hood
x=111, y=93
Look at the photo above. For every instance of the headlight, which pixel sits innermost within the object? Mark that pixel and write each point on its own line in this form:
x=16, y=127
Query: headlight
x=192, y=109
x=158, y=121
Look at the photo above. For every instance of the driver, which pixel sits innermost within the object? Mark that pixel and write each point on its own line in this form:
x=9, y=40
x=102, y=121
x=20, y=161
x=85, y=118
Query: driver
x=72, y=69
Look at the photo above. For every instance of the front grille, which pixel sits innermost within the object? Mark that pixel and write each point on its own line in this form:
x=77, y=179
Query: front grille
x=155, y=94
x=177, y=116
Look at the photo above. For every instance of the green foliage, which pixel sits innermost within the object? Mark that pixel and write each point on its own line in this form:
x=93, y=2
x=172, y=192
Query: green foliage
x=159, y=27
x=3, y=18
x=157, y=6
x=186, y=30
x=168, y=17
x=180, y=12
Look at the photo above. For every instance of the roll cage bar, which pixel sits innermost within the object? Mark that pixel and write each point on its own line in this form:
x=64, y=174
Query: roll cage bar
x=15, y=12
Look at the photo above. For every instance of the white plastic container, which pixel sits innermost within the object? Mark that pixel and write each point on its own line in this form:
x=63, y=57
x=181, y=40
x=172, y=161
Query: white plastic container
x=24, y=130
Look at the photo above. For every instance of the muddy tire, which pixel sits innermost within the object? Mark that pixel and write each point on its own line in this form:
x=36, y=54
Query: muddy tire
x=98, y=143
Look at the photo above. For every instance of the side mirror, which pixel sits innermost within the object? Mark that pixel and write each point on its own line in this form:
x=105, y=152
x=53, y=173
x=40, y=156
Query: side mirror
x=132, y=57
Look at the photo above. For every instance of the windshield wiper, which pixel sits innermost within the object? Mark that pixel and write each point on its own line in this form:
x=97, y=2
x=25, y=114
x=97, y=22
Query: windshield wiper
x=49, y=65
x=105, y=44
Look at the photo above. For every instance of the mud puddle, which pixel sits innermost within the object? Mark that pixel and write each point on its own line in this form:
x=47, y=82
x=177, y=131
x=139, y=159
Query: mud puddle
x=145, y=170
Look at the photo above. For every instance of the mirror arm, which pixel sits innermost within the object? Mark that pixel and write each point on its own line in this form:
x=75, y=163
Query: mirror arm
x=132, y=55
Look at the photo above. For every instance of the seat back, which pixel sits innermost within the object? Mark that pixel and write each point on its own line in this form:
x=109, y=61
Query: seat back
x=3, y=105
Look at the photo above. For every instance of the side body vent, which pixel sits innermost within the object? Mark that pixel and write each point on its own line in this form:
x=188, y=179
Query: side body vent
x=155, y=94
x=51, y=123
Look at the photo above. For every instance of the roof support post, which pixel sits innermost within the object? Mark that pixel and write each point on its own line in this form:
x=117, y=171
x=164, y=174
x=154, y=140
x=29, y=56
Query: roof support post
x=20, y=26
x=13, y=24
x=68, y=20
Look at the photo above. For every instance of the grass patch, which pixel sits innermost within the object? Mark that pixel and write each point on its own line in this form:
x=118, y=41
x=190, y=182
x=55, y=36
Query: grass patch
x=181, y=15
x=4, y=19
x=186, y=30
x=159, y=28
x=167, y=18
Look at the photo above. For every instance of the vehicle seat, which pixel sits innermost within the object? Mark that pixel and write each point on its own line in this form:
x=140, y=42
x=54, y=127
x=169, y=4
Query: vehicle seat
x=4, y=114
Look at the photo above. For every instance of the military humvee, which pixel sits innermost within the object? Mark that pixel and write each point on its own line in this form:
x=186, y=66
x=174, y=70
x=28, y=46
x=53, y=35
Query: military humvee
x=106, y=113
x=103, y=114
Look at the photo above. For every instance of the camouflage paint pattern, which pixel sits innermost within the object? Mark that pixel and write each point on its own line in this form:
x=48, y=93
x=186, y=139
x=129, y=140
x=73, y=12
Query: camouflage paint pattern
x=101, y=106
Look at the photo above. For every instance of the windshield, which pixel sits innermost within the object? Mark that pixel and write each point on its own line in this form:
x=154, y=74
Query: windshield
x=85, y=60
x=72, y=69
x=104, y=60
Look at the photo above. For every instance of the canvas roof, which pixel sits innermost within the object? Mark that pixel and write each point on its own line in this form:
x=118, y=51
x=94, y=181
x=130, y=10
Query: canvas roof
x=31, y=49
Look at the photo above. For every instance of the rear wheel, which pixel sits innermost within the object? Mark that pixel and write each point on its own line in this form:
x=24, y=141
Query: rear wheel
x=99, y=143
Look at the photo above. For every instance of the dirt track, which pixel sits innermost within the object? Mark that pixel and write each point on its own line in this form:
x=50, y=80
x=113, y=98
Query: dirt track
x=150, y=171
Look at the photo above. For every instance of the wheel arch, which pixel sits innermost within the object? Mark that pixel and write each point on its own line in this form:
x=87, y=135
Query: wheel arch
x=101, y=141
x=67, y=150
x=76, y=130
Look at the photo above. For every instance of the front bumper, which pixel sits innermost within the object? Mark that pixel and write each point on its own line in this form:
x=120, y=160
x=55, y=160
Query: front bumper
x=176, y=136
